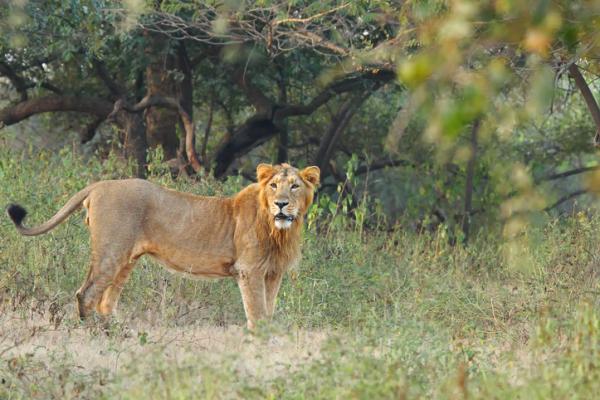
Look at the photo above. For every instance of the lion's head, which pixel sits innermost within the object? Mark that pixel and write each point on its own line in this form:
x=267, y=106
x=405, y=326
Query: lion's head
x=286, y=192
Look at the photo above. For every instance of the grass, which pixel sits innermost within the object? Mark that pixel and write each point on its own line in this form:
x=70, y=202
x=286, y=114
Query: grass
x=366, y=315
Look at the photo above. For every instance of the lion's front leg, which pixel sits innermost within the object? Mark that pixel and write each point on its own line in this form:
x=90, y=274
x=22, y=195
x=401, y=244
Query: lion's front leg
x=272, y=284
x=252, y=287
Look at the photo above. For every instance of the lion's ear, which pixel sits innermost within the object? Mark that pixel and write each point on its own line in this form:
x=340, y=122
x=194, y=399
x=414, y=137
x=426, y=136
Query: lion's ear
x=264, y=171
x=311, y=174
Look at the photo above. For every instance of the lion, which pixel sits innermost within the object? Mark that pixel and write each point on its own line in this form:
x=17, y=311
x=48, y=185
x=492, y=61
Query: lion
x=253, y=237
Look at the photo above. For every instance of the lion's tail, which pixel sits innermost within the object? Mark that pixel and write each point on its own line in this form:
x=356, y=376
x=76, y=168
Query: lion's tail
x=17, y=214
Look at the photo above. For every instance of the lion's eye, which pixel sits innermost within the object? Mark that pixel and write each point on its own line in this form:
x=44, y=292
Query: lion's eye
x=274, y=185
x=295, y=186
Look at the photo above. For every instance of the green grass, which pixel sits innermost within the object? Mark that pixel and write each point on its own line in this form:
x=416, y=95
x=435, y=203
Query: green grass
x=404, y=315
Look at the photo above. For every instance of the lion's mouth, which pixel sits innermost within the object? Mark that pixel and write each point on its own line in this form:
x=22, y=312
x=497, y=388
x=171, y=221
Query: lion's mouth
x=283, y=217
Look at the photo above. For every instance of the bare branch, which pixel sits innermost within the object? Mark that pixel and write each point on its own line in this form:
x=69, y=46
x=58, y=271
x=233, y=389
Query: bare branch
x=25, y=109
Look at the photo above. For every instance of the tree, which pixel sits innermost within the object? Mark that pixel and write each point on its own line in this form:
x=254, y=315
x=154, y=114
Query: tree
x=261, y=51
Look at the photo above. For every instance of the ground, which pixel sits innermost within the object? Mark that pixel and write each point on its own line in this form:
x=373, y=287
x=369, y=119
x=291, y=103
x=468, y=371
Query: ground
x=44, y=354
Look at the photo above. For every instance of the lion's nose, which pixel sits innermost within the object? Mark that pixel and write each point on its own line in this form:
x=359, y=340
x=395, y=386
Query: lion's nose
x=281, y=204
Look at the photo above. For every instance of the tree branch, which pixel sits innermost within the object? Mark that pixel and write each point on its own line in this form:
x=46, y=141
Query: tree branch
x=255, y=131
x=568, y=173
x=49, y=86
x=25, y=109
x=309, y=19
x=588, y=97
x=90, y=130
x=21, y=85
x=347, y=84
x=338, y=124
x=17, y=81
x=382, y=164
x=115, y=89
x=260, y=127
x=167, y=102
x=256, y=97
x=565, y=198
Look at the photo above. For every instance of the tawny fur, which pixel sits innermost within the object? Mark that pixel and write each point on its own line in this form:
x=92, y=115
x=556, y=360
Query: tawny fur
x=195, y=235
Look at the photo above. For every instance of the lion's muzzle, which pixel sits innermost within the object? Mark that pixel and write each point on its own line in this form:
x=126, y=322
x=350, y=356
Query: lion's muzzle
x=283, y=221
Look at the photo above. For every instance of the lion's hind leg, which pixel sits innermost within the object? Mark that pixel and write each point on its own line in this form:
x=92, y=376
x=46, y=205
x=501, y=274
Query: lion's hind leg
x=103, y=272
x=110, y=297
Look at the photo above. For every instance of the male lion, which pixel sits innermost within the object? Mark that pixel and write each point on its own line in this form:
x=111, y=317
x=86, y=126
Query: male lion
x=253, y=236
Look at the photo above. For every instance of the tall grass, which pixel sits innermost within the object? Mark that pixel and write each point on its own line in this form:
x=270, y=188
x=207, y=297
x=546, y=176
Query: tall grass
x=407, y=314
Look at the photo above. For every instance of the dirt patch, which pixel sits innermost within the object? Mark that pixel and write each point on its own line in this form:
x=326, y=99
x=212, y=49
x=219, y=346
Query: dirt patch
x=90, y=347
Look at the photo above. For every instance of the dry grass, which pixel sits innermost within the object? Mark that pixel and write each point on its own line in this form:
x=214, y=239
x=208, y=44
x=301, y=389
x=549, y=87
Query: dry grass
x=93, y=346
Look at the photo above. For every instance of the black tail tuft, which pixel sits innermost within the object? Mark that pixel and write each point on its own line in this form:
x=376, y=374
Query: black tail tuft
x=16, y=213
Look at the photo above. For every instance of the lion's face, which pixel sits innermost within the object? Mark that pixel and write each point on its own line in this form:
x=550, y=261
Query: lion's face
x=286, y=192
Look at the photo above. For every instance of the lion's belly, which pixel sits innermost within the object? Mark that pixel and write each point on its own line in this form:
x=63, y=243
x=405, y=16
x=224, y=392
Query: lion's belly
x=192, y=262
x=206, y=265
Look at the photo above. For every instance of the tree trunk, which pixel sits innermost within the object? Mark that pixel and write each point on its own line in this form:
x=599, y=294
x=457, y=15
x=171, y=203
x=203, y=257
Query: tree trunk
x=207, y=129
x=135, y=142
x=282, y=145
x=253, y=133
x=466, y=223
x=186, y=90
x=338, y=124
x=161, y=123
